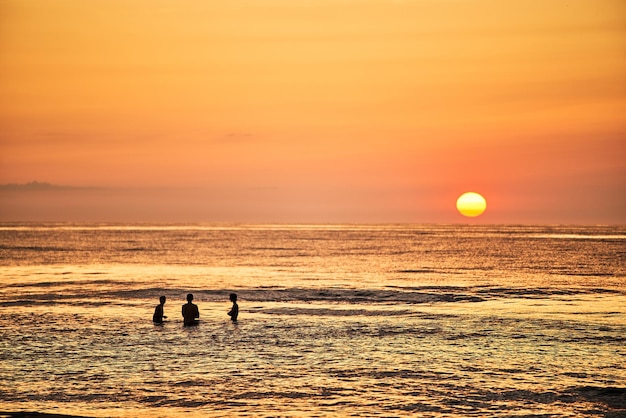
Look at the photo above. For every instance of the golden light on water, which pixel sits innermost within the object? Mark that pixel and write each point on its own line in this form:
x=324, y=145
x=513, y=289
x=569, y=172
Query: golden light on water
x=471, y=204
x=473, y=341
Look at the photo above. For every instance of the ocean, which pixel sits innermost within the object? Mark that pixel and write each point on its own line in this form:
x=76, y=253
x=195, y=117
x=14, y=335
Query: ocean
x=334, y=320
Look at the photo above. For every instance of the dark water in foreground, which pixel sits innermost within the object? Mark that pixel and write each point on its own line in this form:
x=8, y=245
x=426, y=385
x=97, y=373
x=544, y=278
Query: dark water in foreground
x=334, y=320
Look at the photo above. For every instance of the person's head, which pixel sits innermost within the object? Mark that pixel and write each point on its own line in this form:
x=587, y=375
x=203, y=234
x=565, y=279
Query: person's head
x=162, y=300
x=189, y=297
x=233, y=297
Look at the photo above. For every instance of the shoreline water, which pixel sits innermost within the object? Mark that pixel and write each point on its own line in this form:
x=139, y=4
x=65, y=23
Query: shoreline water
x=611, y=400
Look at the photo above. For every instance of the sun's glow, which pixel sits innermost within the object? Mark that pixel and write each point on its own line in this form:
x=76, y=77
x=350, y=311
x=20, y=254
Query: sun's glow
x=471, y=204
x=199, y=103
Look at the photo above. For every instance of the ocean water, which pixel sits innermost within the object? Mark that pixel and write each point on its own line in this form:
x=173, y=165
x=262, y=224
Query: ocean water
x=335, y=320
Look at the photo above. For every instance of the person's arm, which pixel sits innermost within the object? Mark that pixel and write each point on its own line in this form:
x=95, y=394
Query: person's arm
x=234, y=311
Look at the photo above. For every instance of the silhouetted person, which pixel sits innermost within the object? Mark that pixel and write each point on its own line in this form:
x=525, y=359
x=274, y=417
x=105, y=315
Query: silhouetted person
x=234, y=311
x=158, y=316
x=190, y=312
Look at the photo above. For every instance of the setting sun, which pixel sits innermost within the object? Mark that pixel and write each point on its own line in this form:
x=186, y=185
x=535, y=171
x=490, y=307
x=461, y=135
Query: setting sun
x=471, y=204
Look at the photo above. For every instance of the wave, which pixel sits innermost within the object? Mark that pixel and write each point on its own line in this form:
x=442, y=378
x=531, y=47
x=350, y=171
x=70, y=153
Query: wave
x=590, y=236
x=449, y=396
x=35, y=248
x=69, y=283
x=292, y=311
x=121, y=292
x=541, y=292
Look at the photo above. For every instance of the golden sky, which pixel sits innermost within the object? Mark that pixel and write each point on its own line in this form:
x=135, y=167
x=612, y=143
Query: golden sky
x=313, y=110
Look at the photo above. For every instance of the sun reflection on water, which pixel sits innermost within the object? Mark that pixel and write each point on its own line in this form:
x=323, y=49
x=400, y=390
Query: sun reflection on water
x=372, y=321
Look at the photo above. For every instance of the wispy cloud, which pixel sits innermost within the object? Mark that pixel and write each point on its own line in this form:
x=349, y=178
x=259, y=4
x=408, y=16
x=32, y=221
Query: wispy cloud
x=235, y=138
x=36, y=186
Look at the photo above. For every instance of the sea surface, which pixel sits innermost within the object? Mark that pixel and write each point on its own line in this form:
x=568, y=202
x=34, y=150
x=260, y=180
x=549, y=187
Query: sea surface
x=335, y=320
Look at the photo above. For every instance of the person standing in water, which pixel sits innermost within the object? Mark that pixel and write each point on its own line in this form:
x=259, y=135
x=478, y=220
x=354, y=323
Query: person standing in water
x=158, y=316
x=234, y=311
x=190, y=312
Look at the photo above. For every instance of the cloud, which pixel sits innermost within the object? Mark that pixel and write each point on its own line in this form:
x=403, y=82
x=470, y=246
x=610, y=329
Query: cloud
x=235, y=138
x=36, y=186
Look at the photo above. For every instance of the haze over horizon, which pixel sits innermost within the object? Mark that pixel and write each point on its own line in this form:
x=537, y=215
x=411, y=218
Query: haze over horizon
x=356, y=111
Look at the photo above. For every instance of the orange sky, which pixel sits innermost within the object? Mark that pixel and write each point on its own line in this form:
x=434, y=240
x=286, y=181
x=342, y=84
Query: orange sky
x=313, y=110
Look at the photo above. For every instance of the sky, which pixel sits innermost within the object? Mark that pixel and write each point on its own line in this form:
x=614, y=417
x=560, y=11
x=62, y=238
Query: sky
x=312, y=111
